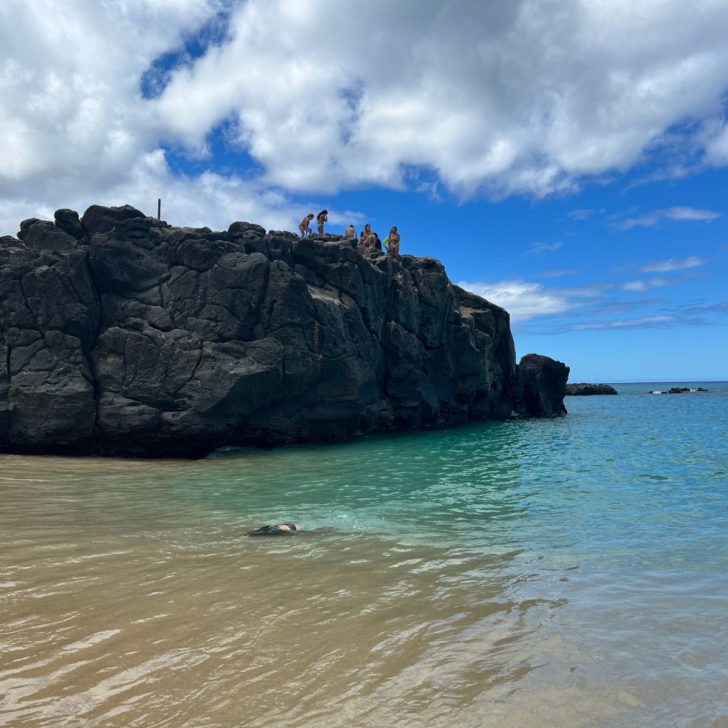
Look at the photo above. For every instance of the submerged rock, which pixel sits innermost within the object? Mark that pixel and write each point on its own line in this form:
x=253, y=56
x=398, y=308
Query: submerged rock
x=584, y=389
x=122, y=335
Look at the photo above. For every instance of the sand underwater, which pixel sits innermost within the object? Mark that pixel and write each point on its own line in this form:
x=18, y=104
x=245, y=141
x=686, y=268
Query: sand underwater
x=568, y=572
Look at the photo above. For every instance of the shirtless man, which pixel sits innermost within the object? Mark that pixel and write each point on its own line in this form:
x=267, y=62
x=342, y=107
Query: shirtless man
x=393, y=243
x=321, y=218
x=305, y=226
x=350, y=232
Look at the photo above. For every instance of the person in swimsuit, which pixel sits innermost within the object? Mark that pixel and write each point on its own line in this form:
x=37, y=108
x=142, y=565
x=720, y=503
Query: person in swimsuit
x=350, y=232
x=392, y=243
x=366, y=234
x=321, y=218
x=305, y=226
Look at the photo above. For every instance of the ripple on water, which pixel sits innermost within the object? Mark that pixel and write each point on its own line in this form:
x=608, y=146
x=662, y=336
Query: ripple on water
x=568, y=572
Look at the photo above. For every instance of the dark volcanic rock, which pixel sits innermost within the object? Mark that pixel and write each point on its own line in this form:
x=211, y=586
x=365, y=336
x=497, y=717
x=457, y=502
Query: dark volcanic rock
x=122, y=335
x=584, y=389
x=542, y=385
x=68, y=221
x=679, y=390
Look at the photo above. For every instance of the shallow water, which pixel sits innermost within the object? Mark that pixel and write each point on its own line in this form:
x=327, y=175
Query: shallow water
x=569, y=572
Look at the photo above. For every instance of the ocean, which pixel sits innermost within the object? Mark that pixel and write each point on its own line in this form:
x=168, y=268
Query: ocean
x=568, y=572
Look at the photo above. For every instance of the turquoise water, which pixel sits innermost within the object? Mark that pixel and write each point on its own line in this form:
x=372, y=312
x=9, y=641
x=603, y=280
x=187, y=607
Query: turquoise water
x=545, y=572
x=635, y=480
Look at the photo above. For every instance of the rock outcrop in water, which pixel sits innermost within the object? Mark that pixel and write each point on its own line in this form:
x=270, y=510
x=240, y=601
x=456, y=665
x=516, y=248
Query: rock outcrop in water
x=678, y=390
x=583, y=389
x=122, y=335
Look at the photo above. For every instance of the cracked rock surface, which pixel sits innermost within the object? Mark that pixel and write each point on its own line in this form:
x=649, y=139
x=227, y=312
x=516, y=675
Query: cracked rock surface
x=122, y=335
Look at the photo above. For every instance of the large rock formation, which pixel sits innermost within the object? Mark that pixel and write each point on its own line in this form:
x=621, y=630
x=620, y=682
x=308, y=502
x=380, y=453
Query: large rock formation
x=122, y=335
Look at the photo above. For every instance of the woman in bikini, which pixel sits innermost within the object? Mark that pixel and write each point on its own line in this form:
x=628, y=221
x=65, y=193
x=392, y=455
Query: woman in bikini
x=321, y=218
x=393, y=243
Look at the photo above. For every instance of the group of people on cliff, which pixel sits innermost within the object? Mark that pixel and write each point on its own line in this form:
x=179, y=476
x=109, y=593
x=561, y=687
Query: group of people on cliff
x=365, y=242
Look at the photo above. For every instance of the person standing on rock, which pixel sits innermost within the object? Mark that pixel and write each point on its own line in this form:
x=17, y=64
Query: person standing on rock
x=392, y=243
x=305, y=226
x=321, y=218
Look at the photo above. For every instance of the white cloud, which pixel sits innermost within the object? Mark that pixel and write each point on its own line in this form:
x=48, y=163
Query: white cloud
x=691, y=213
x=642, y=322
x=543, y=248
x=670, y=265
x=716, y=144
x=70, y=104
x=73, y=124
x=640, y=286
x=557, y=273
x=583, y=213
x=526, y=96
x=650, y=219
x=523, y=300
x=210, y=200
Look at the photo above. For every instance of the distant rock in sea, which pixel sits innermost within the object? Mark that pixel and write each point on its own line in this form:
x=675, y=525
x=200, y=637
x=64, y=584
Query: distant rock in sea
x=122, y=335
x=584, y=389
x=678, y=390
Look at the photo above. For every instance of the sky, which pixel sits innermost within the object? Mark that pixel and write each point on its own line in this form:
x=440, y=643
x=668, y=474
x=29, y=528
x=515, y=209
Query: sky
x=566, y=159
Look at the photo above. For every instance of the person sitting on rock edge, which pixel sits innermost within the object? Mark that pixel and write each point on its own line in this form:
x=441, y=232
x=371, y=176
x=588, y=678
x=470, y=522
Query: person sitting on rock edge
x=350, y=232
x=305, y=226
x=366, y=233
x=321, y=218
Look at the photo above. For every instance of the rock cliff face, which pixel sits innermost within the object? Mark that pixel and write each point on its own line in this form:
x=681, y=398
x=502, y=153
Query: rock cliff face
x=121, y=335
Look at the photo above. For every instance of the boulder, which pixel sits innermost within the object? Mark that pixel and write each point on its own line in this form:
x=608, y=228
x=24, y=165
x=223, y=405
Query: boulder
x=541, y=386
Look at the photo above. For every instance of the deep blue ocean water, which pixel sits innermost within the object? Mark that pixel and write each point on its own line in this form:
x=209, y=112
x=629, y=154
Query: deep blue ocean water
x=544, y=572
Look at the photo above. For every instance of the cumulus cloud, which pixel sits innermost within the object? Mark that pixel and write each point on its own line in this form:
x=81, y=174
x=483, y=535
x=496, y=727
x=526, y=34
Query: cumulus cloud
x=529, y=96
x=209, y=199
x=74, y=128
x=70, y=104
x=679, y=214
x=522, y=96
